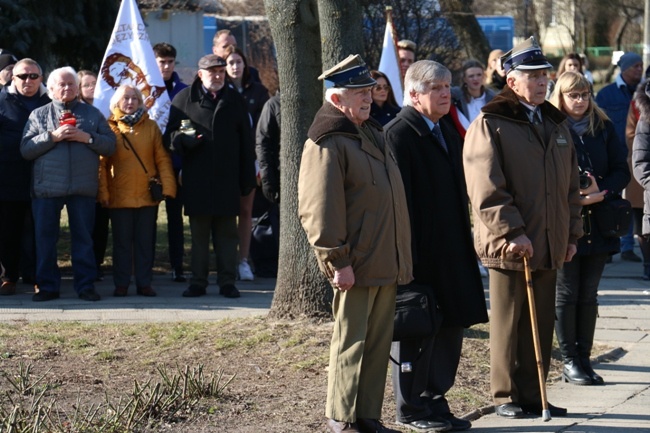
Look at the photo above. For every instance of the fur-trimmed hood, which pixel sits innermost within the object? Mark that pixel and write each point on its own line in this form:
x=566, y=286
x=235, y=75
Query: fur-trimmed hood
x=331, y=120
x=642, y=100
x=507, y=104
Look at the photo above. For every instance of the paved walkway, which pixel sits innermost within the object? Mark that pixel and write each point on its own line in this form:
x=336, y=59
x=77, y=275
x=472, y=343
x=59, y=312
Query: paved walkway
x=621, y=406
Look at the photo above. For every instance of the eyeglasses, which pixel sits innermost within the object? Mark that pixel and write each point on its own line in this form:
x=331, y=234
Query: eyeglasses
x=382, y=87
x=26, y=76
x=574, y=96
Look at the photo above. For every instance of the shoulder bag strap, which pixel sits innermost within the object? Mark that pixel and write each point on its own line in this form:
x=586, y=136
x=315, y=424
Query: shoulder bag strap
x=134, y=152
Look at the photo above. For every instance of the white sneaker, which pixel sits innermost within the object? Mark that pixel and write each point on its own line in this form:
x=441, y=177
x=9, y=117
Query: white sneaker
x=482, y=270
x=245, y=272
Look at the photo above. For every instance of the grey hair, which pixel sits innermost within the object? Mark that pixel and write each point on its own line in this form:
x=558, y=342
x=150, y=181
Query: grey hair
x=119, y=94
x=334, y=91
x=420, y=74
x=55, y=74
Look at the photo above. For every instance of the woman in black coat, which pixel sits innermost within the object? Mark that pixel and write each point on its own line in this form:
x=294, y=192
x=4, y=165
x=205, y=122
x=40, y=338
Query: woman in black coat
x=603, y=163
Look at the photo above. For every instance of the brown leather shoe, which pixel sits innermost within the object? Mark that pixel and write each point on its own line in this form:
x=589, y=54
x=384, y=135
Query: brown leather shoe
x=373, y=426
x=120, y=291
x=146, y=291
x=342, y=426
x=8, y=288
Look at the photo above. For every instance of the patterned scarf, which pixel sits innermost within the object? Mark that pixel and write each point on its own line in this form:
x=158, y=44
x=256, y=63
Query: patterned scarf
x=132, y=119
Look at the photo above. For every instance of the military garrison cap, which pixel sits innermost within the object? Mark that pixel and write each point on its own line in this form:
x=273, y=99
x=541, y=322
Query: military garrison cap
x=351, y=73
x=527, y=56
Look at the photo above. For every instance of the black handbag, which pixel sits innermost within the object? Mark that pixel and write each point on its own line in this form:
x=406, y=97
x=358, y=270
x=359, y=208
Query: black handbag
x=155, y=186
x=417, y=315
x=613, y=217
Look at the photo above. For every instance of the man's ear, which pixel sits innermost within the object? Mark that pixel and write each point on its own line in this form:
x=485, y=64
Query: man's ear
x=510, y=81
x=336, y=98
x=415, y=98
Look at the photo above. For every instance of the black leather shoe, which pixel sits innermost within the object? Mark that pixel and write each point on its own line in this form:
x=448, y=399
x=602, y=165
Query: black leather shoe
x=194, y=291
x=630, y=256
x=428, y=425
x=373, y=426
x=178, y=277
x=536, y=409
x=45, y=296
x=457, y=424
x=509, y=410
x=89, y=294
x=229, y=291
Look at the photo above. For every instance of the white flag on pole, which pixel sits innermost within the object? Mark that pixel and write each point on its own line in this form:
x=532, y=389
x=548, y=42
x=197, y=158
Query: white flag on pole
x=130, y=59
x=389, y=63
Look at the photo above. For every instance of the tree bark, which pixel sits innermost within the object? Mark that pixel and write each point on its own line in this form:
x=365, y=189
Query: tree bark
x=301, y=290
x=469, y=33
x=341, y=30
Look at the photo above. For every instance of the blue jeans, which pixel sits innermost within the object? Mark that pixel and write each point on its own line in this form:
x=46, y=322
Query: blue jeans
x=627, y=241
x=47, y=218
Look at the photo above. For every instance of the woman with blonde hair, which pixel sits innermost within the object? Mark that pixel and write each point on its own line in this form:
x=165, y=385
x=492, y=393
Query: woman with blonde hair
x=604, y=173
x=87, y=83
x=124, y=180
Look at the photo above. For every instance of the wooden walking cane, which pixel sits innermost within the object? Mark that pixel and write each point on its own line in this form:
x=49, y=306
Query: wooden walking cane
x=546, y=414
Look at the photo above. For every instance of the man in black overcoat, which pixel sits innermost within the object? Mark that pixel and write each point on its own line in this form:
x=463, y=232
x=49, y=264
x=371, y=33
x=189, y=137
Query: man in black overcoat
x=218, y=168
x=429, y=154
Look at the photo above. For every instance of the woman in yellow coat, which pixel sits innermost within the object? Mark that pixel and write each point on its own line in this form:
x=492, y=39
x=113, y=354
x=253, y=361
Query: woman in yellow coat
x=124, y=189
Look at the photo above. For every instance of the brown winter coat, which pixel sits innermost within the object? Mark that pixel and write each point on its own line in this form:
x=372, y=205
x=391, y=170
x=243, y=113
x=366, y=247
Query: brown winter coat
x=122, y=180
x=633, y=192
x=351, y=202
x=521, y=183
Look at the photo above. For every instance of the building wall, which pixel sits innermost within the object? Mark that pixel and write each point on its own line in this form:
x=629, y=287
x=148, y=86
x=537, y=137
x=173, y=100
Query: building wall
x=183, y=30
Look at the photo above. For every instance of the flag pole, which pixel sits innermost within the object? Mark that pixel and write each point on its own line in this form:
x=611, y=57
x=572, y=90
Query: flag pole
x=389, y=21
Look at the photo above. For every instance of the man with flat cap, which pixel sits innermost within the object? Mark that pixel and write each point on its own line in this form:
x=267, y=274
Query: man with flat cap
x=522, y=181
x=352, y=206
x=218, y=168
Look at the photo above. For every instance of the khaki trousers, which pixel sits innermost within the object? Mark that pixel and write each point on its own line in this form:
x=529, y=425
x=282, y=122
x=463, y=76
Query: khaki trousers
x=513, y=368
x=363, y=330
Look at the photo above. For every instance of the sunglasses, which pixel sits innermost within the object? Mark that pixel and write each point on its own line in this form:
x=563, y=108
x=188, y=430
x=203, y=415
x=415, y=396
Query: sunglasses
x=574, y=96
x=26, y=76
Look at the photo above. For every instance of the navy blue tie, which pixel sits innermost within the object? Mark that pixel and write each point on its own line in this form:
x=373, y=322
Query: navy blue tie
x=437, y=132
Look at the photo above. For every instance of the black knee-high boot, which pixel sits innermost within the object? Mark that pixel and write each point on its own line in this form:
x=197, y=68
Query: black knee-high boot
x=586, y=316
x=644, y=245
x=565, y=329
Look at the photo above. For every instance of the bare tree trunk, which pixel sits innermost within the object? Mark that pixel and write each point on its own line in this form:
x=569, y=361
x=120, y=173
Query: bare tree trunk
x=341, y=30
x=470, y=35
x=300, y=290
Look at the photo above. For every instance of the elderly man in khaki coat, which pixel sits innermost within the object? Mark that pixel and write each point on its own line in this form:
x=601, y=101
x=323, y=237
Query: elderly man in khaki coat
x=353, y=209
x=522, y=181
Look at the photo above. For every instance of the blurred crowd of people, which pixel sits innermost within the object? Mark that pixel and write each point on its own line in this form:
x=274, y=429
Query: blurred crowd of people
x=57, y=150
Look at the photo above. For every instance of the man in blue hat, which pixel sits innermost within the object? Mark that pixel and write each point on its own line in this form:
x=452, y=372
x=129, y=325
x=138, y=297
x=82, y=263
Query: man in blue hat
x=522, y=181
x=352, y=206
x=615, y=99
